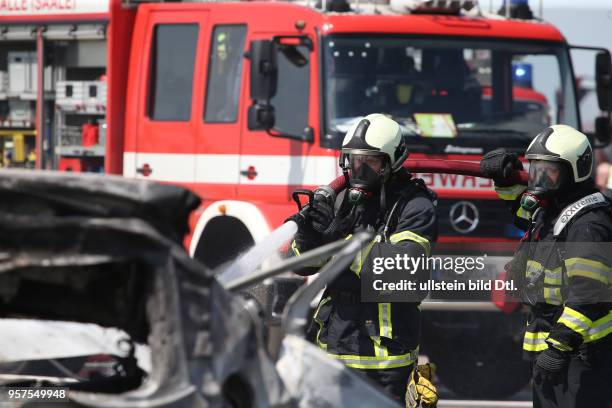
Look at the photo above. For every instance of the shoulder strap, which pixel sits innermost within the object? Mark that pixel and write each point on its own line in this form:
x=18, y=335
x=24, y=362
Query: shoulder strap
x=586, y=203
x=392, y=218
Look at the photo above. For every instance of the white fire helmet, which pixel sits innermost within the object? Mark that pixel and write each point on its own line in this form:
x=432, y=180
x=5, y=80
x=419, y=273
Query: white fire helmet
x=375, y=135
x=558, y=157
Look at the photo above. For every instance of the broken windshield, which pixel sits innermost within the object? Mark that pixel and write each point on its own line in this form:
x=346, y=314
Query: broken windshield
x=451, y=96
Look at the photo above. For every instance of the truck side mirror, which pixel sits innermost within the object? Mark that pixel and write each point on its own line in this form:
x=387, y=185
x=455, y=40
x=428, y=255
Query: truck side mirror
x=603, y=80
x=261, y=116
x=602, y=130
x=264, y=70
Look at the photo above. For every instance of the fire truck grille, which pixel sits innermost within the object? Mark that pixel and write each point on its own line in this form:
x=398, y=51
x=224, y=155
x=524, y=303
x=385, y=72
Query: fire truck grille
x=476, y=218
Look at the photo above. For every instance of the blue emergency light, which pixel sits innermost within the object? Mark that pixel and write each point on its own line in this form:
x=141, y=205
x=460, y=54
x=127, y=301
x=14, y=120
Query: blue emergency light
x=522, y=75
x=512, y=231
x=516, y=2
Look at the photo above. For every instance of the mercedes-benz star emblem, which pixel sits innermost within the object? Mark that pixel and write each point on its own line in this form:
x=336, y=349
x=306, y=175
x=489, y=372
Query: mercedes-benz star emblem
x=464, y=217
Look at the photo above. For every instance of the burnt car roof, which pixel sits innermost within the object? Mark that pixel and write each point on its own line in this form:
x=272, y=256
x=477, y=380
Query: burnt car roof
x=166, y=207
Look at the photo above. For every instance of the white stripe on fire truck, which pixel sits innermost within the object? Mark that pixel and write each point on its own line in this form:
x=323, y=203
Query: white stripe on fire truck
x=225, y=168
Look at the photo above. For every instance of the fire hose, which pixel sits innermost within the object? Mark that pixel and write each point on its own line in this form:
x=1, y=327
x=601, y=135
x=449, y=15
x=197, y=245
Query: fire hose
x=331, y=190
x=415, y=166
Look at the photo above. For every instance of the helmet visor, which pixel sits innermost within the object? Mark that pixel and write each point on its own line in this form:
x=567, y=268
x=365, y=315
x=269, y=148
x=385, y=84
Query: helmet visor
x=546, y=175
x=366, y=171
x=374, y=162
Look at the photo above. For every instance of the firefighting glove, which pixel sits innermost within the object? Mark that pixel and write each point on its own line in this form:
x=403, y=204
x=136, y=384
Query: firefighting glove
x=426, y=390
x=306, y=238
x=420, y=391
x=322, y=216
x=499, y=165
x=551, y=366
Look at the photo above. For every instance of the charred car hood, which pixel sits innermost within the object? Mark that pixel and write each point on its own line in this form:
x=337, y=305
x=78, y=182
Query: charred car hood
x=107, y=250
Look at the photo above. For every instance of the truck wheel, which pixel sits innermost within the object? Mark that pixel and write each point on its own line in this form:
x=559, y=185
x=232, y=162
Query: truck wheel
x=223, y=239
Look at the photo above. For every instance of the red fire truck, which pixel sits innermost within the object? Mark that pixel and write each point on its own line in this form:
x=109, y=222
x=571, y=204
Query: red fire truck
x=243, y=102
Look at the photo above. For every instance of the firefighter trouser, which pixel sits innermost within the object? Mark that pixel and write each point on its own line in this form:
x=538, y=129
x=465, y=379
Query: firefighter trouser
x=588, y=383
x=393, y=380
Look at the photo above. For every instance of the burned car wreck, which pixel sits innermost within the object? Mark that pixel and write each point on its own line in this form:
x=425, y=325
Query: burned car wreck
x=89, y=254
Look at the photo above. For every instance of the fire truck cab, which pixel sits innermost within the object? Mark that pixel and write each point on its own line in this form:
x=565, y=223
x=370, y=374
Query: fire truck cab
x=244, y=102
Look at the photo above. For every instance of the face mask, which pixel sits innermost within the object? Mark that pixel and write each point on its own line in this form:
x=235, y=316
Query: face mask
x=546, y=177
x=365, y=172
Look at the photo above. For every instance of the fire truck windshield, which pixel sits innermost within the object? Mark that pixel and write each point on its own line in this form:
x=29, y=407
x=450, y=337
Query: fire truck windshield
x=472, y=95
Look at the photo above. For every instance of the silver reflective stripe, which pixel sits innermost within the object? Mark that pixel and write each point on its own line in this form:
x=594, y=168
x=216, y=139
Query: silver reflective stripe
x=600, y=329
x=553, y=296
x=385, y=329
x=367, y=362
x=574, y=209
x=588, y=268
x=385, y=319
x=535, y=341
x=575, y=321
x=553, y=277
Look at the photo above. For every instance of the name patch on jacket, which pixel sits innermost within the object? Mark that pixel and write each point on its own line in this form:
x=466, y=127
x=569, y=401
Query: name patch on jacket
x=569, y=212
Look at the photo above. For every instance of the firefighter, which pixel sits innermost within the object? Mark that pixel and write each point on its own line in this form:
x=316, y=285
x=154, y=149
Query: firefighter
x=564, y=266
x=380, y=340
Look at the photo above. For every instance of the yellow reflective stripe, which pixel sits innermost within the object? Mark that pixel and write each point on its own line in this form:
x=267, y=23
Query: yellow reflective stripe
x=536, y=335
x=409, y=235
x=320, y=323
x=553, y=296
x=295, y=249
x=535, y=347
x=589, y=262
x=510, y=193
x=600, y=329
x=361, y=256
x=385, y=329
x=588, y=268
x=372, y=363
x=553, y=277
x=559, y=346
x=532, y=268
x=379, y=349
x=575, y=321
x=535, y=341
x=522, y=213
x=296, y=252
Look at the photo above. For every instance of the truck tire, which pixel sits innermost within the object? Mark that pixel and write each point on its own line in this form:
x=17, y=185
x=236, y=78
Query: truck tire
x=222, y=241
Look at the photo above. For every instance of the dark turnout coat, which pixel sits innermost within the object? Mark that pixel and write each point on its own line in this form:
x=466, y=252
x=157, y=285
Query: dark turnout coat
x=566, y=264
x=384, y=335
